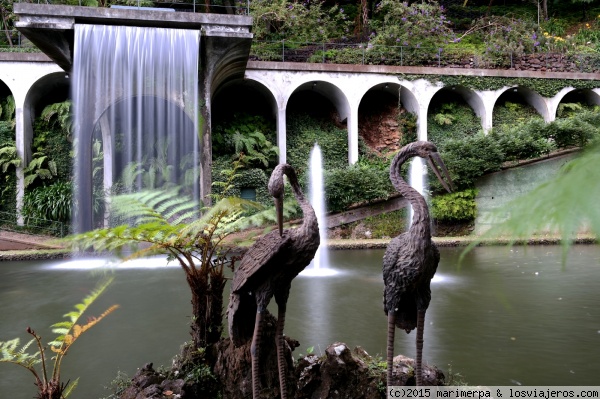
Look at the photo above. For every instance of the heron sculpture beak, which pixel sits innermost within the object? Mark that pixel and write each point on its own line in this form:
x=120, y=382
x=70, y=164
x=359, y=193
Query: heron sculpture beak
x=279, y=210
x=440, y=170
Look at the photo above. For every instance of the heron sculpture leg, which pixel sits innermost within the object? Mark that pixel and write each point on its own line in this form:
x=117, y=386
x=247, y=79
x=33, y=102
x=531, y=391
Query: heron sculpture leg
x=390, y=346
x=281, y=364
x=420, y=328
x=281, y=297
x=254, y=351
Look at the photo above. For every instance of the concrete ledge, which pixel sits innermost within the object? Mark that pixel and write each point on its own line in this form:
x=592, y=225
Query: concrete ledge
x=24, y=57
x=411, y=70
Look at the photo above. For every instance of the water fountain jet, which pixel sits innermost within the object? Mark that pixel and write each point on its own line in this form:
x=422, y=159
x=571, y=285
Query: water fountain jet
x=320, y=264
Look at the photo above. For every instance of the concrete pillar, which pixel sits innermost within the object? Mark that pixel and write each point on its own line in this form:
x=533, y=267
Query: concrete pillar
x=352, y=124
x=422, y=122
x=108, y=163
x=23, y=138
x=281, y=134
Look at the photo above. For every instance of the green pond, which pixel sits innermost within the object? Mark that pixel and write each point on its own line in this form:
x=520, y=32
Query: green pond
x=505, y=316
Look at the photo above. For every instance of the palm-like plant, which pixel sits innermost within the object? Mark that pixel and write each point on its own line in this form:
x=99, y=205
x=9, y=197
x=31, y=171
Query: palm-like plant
x=167, y=222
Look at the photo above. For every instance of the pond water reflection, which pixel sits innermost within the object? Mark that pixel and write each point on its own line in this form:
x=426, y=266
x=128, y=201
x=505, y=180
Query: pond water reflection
x=505, y=316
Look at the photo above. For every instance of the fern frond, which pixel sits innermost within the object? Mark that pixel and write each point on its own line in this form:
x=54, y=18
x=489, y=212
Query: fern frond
x=11, y=353
x=64, y=328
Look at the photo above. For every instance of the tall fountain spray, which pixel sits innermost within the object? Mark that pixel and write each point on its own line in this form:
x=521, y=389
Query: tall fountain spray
x=417, y=179
x=320, y=264
x=135, y=92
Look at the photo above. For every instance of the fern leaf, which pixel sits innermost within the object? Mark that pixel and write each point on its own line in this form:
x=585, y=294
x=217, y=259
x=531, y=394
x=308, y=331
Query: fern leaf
x=70, y=387
x=61, y=331
x=11, y=353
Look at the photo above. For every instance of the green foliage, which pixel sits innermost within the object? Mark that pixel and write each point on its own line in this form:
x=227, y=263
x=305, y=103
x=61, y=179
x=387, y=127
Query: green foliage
x=419, y=24
x=59, y=115
x=7, y=110
x=451, y=120
x=502, y=35
x=524, y=141
x=290, y=20
x=355, y=184
x=8, y=158
x=507, y=114
x=48, y=203
x=544, y=87
x=249, y=137
x=455, y=207
x=471, y=157
x=407, y=125
x=304, y=132
x=386, y=225
x=49, y=385
x=254, y=149
x=40, y=167
x=167, y=222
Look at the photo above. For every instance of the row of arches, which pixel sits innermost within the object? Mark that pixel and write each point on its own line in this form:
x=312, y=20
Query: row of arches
x=350, y=93
x=276, y=92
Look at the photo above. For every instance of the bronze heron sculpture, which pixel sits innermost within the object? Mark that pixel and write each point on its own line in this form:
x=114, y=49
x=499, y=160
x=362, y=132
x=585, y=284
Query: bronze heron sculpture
x=411, y=259
x=266, y=270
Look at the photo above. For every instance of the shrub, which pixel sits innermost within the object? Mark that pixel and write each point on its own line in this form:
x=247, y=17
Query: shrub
x=452, y=120
x=469, y=158
x=275, y=20
x=304, y=132
x=420, y=24
x=524, y=141
x=355, y=184
x=455, y=207
x=50, y=203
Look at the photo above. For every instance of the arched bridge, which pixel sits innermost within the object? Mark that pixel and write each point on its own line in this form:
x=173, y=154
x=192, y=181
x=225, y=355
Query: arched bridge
x=32, y=79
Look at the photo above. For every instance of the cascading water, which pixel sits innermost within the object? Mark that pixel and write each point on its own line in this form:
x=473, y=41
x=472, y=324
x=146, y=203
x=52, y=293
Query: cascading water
x=320, y=264
x=135, y=96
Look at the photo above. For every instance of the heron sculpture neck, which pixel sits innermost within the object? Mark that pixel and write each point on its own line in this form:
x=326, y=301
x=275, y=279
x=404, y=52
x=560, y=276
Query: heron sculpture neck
x=420, y=226
x=309, y=217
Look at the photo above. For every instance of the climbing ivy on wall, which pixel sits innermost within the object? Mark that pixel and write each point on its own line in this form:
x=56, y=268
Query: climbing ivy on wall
x=544, y=87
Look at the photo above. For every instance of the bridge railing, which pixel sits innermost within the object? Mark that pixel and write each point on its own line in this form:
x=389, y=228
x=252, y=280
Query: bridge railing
x=8, y=221
x=446, y=57
x=367, y=54
x=242, y=6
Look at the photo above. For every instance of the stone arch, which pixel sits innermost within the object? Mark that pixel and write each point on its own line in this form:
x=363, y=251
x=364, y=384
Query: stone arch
x=245, y=95
x=526, y=96
x=154, y=129
x=386, y=95
x=585, y=96
x=461, y=95
x=51, y=88
x=323, y=92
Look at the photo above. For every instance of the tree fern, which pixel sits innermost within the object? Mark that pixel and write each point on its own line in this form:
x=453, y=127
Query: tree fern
x=59, y=113
x=41, y=166
x=9, y=157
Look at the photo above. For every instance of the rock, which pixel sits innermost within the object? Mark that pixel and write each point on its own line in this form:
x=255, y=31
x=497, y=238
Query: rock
x=403, y=373
x=149, y=384
x=233, y=366
x=346, y=374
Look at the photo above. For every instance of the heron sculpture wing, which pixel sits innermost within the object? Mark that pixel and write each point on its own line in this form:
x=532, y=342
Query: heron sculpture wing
x=267, y=256
x=262, y=258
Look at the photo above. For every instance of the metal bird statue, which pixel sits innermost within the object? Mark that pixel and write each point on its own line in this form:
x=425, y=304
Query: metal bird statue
x=266, y=270
x=411, y=259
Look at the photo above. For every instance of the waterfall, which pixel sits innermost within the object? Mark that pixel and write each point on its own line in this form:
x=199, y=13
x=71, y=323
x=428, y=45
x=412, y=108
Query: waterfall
x=135, y=97
x=320, y=264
